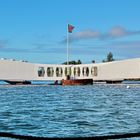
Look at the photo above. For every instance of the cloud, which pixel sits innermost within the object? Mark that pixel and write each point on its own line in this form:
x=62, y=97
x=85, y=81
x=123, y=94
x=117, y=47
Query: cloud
x=17, y=50
x=39, y=46
x=3, y=43
x=83, y=35
x=134, y=43
x=88, y=34
x=113, y=33
x=118, y=32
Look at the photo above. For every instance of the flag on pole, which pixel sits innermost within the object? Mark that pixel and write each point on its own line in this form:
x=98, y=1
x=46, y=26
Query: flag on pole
x=70, y=28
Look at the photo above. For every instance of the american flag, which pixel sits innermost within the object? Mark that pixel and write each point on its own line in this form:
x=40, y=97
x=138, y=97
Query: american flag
x=70, y=28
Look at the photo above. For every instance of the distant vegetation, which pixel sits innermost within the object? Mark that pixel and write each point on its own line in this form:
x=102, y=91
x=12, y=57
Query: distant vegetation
x=109, y=57
x=73, y=62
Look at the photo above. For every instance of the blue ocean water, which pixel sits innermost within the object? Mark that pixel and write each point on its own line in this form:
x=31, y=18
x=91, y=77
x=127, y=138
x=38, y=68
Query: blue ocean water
x=70, y=111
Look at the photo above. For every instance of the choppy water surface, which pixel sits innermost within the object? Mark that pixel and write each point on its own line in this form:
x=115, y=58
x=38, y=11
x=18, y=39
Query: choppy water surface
x=69, y=111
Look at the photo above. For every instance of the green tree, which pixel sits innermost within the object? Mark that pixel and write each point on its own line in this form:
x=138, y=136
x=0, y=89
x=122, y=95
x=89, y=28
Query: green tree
x=79, y=62
x=109, y=57
x=73, y=62
x=93, y=61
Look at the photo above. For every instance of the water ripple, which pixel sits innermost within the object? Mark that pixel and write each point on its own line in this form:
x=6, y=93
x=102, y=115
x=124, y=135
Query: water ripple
x=71, y=111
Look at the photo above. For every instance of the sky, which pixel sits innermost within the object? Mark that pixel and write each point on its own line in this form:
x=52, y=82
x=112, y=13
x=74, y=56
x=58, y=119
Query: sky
x=36, y=30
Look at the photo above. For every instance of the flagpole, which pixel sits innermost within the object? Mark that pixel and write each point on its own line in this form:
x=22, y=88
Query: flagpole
x=67, y=46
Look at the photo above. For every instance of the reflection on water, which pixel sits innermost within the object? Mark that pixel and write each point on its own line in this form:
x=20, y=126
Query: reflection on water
x=69, y=111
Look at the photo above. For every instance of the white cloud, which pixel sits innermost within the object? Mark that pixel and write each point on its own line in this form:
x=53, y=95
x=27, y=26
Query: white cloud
x=118, y=32
x=87, y=34
x=113, y=33
x=3, y=43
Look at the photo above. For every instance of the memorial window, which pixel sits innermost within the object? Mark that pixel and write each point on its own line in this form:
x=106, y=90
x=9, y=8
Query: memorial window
x=41, y=71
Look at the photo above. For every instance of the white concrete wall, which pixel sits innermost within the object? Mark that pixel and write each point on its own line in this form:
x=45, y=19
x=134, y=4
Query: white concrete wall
x=127, y=69
x=16, y=70
x=117, y=70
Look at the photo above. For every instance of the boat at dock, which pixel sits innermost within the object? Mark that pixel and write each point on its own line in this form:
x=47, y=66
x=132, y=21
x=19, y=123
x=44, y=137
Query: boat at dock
x=69, y=81
x=77, y=82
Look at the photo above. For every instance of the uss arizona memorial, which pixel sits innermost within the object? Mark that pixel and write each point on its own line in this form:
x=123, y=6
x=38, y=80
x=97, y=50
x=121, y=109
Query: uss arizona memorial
x=110, y=72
